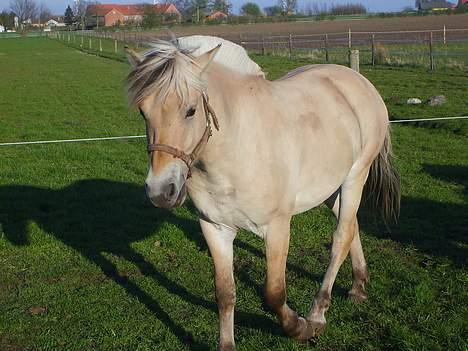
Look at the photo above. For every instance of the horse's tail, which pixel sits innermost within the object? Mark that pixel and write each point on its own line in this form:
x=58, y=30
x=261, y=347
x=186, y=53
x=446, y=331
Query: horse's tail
x=382, y=189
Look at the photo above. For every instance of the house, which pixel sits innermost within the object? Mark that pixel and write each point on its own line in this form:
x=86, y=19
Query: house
x=462, y=3
x=111, y=14
x=431, y=5
x=54, y=22
x=217, y=16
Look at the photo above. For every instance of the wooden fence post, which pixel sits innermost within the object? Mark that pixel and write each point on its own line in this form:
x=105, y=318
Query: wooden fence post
x=115, y=45
x=90, y=43
x=431, y=52
x=82, y=39
x=100, y=44
x=263, y=45
x=290, y=45
x=354, y=60
x=327, y=56
x=373, y=49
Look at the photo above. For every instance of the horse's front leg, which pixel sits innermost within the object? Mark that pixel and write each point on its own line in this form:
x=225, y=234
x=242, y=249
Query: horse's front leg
x=277, y=245
x=220, y=241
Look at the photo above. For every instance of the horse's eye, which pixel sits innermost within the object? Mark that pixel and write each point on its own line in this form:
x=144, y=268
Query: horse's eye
x=190, y=112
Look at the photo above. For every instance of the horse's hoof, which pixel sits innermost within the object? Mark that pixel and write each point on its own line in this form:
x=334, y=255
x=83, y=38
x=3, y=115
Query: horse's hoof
x=310, y=329
x=357, y=296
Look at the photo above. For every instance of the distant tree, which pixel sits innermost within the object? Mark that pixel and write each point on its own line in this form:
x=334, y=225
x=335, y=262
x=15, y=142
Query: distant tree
x=151, y=19
x=68, y=18
x=348, y=9
x=273, y=10
x=250, y=9
x=288, y=6
x=44, y=13
x=199, y=9
x=220, y=5
x=7, y=19
x=24, y=9
x=79, y=9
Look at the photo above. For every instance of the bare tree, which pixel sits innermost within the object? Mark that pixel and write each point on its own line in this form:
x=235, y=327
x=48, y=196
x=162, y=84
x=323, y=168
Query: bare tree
x=288, y=6
x=24, y=9
x=80, y=11
x=45, y=13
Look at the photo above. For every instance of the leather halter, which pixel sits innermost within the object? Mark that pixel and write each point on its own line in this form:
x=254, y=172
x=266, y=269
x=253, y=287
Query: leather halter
x=189, y=159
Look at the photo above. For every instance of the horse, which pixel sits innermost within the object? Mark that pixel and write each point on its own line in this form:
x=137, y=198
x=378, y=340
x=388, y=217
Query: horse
x=251, y=153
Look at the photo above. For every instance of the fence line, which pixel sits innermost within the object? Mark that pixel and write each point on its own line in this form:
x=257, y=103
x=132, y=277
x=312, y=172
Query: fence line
x=127, y=137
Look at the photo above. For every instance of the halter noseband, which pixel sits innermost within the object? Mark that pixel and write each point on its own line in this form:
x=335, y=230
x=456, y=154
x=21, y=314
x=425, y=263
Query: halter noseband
x=189, y=159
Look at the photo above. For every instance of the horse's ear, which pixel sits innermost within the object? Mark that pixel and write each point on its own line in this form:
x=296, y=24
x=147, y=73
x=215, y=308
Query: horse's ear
x=204, y=60
x=133, y=57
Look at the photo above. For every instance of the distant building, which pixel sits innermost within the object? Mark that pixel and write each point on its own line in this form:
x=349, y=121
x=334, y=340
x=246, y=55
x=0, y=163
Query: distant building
x=2, y=28
x=217, y=15
x=55, y=22
x=111, y=14
x=462, y=3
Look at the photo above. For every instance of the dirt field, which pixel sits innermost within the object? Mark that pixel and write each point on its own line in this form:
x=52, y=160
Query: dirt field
x=370, y=25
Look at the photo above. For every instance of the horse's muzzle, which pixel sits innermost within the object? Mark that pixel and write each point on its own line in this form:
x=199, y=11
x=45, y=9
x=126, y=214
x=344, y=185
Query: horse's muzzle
x=168, y=195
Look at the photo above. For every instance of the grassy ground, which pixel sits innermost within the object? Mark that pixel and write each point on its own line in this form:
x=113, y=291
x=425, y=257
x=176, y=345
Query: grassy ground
x=87, y=264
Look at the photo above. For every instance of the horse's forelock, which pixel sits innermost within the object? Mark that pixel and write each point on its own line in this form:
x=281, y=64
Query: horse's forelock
x=164, y=69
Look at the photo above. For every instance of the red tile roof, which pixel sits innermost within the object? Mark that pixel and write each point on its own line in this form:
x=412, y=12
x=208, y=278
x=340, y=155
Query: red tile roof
x=126, y=10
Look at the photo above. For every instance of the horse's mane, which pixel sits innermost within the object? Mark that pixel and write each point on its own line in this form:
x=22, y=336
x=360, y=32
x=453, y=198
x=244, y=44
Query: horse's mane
x=167, y=67
x=230, y=54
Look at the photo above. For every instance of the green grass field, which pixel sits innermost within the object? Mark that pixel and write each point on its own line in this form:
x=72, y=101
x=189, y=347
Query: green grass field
x=86, y=263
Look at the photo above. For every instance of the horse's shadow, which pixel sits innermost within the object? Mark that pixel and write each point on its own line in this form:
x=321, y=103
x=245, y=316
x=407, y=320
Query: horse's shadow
x=98, y=217
x=434, y=228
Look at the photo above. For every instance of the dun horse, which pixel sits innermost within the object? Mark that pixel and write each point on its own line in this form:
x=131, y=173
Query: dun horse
x=252, y=153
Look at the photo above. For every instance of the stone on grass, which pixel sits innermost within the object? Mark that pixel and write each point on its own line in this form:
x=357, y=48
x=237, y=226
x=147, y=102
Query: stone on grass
x=437, y=100
x=414, y=101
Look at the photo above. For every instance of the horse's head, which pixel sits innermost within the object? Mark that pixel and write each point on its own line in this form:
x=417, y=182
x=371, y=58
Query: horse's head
x=167, y=87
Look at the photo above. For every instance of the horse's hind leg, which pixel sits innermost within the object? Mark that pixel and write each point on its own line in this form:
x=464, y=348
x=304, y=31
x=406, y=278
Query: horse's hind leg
x=360, y=272
x=350, y=198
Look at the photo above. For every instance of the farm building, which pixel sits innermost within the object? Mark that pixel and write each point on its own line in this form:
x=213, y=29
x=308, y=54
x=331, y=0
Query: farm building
x=57, y=22
x=217, y=15
x=426, y=5
x=462, y=3
x=111, y=14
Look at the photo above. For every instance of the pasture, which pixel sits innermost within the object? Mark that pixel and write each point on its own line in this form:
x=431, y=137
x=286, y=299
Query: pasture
x=86, y=263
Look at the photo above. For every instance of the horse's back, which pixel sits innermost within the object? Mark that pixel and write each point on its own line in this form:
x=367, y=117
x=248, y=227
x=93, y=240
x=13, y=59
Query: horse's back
x=339, y=96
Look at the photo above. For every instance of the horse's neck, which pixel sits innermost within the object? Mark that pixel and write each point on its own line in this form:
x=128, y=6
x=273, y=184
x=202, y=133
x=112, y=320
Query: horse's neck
x=229, y=91
x=230, y=95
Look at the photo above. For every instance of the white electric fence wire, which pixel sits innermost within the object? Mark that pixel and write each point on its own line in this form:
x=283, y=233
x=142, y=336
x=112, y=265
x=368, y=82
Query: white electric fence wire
x=127, y=137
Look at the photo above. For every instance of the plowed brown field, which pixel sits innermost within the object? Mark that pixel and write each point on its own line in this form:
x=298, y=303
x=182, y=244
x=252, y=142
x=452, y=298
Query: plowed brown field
x=319, y=27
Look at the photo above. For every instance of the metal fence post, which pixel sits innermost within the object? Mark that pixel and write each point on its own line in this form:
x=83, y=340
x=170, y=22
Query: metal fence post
x=263, y=45
x=445, y=35
x=373, y=49
x=290, y=45
x=350, y=43
x=327, y=56
x=431, y=52
x=115, y=45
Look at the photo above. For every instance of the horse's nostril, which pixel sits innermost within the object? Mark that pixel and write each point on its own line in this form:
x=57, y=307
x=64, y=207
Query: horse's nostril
x=170, y=191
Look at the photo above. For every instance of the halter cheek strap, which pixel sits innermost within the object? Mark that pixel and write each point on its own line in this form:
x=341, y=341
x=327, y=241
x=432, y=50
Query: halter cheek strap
x=189, y=159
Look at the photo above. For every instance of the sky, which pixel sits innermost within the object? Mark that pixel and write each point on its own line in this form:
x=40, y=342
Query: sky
x=58, y=6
